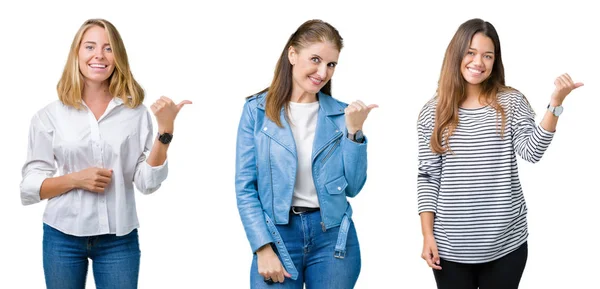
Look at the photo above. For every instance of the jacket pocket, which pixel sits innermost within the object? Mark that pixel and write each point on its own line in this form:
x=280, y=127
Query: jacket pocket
x=337, y=186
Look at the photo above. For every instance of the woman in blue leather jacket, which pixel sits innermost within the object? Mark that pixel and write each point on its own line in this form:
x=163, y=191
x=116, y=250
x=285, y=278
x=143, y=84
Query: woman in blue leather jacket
x=299, y=154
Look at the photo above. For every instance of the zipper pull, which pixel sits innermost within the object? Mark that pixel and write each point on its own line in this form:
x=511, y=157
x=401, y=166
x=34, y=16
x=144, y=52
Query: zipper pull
x=323, y=226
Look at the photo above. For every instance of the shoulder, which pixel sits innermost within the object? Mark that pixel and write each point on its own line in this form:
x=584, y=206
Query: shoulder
x=427, y=113
x=254, y=101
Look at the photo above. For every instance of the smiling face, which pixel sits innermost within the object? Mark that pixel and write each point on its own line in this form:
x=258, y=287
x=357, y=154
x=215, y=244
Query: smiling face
x=313, y=66
x=96, y=60
x=478, y=62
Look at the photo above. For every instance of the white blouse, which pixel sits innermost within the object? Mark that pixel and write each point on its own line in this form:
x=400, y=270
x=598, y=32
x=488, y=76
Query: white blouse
x=72, y=140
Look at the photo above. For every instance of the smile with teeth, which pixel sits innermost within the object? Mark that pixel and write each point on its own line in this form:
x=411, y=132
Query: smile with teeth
x=96, y=65
x=475, y=71
x=315, y=81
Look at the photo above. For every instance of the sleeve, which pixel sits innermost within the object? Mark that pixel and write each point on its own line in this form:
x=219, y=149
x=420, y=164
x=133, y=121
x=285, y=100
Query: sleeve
x=530, y=140
x=430, y=164
x=146, y=178
x=354, y=157
x=246, y=184
x=40, y=163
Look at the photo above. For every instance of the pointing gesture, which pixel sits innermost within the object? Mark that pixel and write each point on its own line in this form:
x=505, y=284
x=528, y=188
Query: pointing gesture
x=165, y=111
x=356, y=114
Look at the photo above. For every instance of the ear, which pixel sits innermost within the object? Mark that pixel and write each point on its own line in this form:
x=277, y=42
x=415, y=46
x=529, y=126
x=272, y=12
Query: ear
x=292, y=55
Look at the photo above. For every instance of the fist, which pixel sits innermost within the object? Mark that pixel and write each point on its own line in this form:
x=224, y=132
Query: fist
x=165, y=111
x=564, y=85
x=356, y=114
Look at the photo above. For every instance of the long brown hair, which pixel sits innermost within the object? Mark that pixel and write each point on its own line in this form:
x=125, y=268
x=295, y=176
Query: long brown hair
x=451, y=91
x=280, y=91
x=121, y=82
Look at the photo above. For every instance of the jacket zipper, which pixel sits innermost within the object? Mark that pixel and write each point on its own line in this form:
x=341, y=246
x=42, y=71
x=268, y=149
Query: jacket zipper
x=330, y=152
x=272, y=193
x=339, y=138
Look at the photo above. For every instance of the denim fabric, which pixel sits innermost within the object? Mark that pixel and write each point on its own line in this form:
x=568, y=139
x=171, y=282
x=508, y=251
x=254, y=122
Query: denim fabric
x=312, y=252
x=115, y=260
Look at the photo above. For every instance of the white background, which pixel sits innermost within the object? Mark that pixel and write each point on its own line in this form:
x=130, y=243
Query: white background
x=217, y=53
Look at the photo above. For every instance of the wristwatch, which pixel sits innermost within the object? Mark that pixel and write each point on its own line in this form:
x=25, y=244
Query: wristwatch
x=556, y=110
x=357, y=136
x=165, y=138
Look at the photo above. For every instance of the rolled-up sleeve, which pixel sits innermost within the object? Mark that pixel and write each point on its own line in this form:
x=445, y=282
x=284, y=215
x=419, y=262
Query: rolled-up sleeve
x=40, y=163
x=147, y=179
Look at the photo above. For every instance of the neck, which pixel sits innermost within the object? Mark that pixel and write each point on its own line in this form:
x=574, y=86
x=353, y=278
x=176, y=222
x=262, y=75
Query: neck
x=96, y=92
x=473, y=91
x=301, y=96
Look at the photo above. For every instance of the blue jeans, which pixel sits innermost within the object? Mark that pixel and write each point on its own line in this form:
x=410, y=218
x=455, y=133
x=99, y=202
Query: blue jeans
x=312, y=252
x=115, y=260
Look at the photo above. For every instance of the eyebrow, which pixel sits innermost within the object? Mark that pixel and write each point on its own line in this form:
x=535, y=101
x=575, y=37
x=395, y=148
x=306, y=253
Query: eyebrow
x=321, y=58
x=492, y=52
x=93, y=42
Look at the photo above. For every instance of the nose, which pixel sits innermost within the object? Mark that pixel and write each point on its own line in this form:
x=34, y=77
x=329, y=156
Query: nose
x=322, y=71
x=99, y=54
x=478, y=59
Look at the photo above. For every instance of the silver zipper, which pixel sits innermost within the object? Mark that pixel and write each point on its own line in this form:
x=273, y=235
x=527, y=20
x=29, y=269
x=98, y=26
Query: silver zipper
x=330, y=152
x=316, y=186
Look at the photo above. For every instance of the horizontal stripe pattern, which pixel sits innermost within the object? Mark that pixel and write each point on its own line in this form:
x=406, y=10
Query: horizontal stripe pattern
x=474, y=191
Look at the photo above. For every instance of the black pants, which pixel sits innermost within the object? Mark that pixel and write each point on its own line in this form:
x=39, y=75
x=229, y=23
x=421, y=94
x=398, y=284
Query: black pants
x=504, y=273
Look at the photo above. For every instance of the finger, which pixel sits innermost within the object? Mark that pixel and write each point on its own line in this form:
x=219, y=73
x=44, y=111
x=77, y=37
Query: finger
x=561, y=83
x=280, y=277
x=154, y=108
x=567, y=80
x=105, y=172
x=286, y=274
x=103, y=179
x=98, y=189
x=567, y=76
x=362, y=104
x=166, y=99
x=349, y=109
x=161, y=103
x=372, y=106
x=181, y=104
x=436, y=259
x=356, y=106
x=577, y=85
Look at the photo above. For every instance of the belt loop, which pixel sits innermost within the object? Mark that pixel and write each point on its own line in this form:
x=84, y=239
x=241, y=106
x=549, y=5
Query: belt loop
x=282, y=250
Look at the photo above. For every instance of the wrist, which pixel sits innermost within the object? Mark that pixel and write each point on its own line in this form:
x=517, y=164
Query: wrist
x=264, y=250
x=555, y=102
x=168, y=128
x=353, y=130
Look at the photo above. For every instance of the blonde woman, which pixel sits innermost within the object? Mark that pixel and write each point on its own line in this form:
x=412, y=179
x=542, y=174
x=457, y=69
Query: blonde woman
x=98, y=136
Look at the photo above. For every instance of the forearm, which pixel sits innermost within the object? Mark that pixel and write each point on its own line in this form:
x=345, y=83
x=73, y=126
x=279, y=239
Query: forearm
x=52, y=187
x=550, y=120
x=158, y=153
x=427, y=223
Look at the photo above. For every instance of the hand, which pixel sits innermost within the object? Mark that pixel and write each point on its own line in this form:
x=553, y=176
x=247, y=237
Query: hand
x=165, y=111
x=356, y=114
x=92, y=179
x=430, y=253
x=564, y=85
x=269, y=265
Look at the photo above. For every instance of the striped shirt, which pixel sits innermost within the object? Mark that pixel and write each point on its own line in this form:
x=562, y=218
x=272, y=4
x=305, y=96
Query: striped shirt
x=475, y=193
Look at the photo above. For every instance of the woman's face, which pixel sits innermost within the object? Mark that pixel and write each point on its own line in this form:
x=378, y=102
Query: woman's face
x=477, y=64
x=313, y=66
x=96, y=60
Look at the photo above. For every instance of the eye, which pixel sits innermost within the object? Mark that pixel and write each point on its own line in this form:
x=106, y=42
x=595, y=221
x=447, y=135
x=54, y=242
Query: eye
x=332, y=64
x=489, y=57
x=315, y=60
x=470, y=53
x=89, y=47
x=108, y=49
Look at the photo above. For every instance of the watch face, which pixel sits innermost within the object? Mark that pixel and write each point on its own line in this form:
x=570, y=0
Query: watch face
x=165, y=138
x=558, y=110
x=358, y=136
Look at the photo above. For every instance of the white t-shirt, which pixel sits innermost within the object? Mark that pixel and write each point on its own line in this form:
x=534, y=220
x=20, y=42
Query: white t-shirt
x=303, y=117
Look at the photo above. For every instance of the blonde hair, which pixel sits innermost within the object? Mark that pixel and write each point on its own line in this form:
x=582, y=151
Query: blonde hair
x=121, y=83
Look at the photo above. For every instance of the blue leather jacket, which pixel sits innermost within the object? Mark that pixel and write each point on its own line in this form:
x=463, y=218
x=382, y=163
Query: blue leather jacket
x=266, y=164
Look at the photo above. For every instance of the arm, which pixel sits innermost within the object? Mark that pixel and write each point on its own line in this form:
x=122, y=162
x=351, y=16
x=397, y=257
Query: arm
x=355, y=154
x=246, y=185
x=530, y=141
x=150, y=172
x=428, y=185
